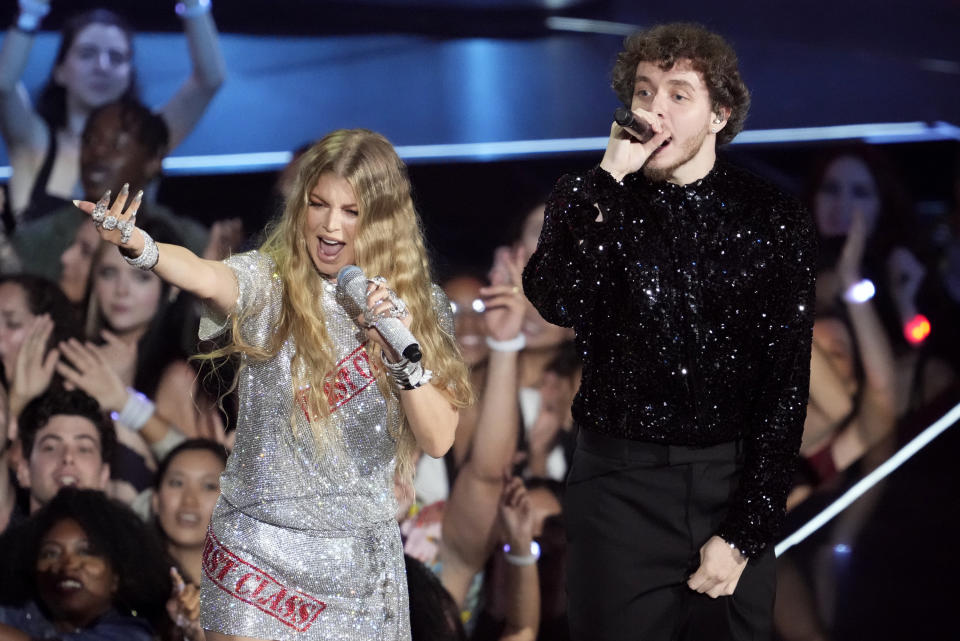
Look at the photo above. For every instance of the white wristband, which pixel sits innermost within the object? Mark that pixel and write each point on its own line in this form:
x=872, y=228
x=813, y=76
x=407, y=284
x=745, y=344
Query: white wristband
x=524, y=559
x=512, y=345
x=136, y=412
x=193, y=10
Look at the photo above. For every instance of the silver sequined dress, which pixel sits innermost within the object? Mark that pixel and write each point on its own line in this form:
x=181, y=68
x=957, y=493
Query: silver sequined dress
x=303, y=544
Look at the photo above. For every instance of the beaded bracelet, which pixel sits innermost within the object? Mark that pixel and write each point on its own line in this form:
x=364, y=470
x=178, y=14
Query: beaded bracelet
x=148, y=258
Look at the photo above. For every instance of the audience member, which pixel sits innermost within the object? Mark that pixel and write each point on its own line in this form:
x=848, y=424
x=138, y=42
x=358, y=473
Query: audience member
x=11, y=513
x=65, y=440
x=93, y=67
x=434, y=615
x=186, y=489
x=123, y=144
x=35, y=317
x=544, y=341
x=861, y=179
x=147, y=330
x=90, y=570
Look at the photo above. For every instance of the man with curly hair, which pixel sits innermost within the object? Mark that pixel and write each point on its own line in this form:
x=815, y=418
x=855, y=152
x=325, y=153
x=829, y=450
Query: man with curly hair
x=690, y=284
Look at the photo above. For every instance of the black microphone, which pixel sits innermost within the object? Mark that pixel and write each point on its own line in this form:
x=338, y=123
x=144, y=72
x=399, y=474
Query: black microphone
x=626, y=118
x=353, y=283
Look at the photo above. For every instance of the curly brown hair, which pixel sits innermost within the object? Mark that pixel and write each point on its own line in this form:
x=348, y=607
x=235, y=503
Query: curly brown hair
x=710, y=55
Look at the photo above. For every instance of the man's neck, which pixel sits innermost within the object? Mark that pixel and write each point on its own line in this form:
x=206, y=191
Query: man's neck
x=698, y=166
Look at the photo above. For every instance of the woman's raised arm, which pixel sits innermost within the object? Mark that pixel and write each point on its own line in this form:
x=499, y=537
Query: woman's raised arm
x=20, y=125
x=186, y=107
x=209, y=280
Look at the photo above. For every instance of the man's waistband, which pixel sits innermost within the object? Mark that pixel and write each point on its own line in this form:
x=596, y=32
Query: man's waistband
x=656, y=453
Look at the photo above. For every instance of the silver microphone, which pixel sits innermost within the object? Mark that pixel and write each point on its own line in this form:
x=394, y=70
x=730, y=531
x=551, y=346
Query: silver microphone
x=353, y=283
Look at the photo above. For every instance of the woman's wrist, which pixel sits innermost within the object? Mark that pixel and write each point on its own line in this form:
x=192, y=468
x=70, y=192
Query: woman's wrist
x=515, y=344
x=31, y=13
x=192, y=8
x=613, y=172
x=137, y=409
x=522, y=553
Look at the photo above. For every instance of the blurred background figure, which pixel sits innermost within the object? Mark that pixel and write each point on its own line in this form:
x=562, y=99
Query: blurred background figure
x=186, y=489
x=93, y=67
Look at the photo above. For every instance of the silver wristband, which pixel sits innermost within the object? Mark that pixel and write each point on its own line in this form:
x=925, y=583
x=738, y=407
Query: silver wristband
x=148, y=258
x=407, y=375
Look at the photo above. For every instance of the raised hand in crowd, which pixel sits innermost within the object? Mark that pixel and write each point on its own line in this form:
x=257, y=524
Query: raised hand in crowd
x=35, y=365
x=88, y=367
x=876, y=414
x=905, y=274
x=850, y=263
x=119, y=354
x=517, y=522
x=184, y=607
x=504, y=304
x=85, y=367
x=471, y=513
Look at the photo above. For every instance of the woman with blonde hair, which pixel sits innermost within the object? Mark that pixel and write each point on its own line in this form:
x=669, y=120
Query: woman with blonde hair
x=303, y=541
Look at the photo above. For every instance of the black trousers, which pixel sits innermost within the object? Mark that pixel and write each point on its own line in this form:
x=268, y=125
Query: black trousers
x=637, y=514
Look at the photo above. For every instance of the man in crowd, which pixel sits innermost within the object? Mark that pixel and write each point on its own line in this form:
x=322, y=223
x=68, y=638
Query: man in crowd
x=64, y=439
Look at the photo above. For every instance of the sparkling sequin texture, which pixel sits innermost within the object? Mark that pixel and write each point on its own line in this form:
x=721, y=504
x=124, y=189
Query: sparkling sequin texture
x=693, y=307
x=303, y=542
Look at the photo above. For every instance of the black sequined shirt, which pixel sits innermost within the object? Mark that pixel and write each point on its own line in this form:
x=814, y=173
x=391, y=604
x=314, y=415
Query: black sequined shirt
x=693, y=309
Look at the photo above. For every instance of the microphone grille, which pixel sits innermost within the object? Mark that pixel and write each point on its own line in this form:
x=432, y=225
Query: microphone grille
x=352, y=281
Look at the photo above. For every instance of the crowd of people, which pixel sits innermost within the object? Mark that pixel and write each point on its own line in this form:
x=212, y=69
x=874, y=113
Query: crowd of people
x=115, y=438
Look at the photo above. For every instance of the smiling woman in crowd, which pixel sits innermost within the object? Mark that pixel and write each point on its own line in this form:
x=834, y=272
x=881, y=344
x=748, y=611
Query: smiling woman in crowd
x=89, y=571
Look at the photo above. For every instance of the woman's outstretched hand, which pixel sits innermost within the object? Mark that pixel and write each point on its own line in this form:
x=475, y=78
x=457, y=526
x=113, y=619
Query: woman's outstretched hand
x=114, y=224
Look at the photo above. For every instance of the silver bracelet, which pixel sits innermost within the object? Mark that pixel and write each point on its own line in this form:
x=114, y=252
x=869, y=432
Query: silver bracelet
x=407, y=375
x=193, y=10
x=148, y=258
x=136, y=411
x=513, y=345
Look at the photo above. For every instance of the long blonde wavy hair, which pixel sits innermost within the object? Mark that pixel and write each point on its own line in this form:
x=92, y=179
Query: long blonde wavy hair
x=388, y=242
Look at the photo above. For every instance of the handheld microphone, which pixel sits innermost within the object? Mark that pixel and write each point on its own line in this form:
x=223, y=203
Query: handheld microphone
x=626, y=118
x=353, y=283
